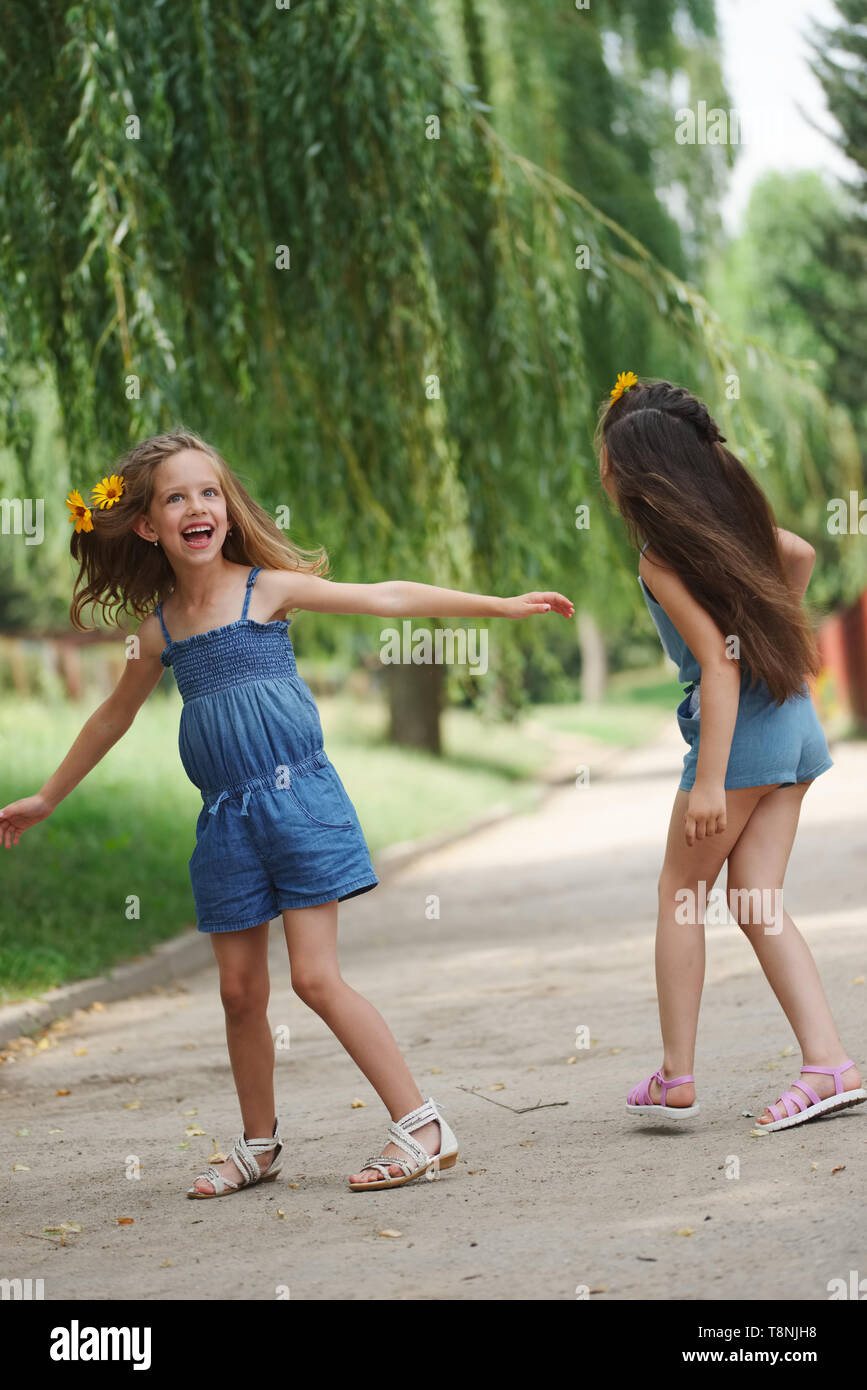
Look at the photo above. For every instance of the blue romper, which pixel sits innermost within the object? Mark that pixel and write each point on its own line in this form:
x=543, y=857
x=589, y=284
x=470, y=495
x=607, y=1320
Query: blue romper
x=277, y=828
x=771, y=743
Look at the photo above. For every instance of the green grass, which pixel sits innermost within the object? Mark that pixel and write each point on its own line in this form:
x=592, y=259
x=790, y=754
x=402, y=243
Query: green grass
x=636, y=704
x=67, y=904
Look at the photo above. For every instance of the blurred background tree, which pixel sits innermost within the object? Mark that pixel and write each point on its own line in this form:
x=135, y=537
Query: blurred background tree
x=389, y=259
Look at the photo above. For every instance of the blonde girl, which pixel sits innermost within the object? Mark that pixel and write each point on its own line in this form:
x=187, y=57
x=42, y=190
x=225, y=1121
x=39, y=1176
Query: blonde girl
x=175, y=539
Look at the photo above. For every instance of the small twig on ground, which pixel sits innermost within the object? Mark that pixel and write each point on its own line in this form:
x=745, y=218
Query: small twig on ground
x=525, y=1109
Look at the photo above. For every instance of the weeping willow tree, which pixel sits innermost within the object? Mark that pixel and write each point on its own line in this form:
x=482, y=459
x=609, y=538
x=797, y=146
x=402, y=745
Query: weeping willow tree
x=308, y=235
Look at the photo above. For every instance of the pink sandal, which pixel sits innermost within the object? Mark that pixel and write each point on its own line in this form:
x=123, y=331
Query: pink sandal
x=840, y=1100
x=639, y=1101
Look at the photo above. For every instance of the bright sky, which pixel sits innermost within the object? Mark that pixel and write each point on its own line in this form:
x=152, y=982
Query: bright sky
x=765, y=58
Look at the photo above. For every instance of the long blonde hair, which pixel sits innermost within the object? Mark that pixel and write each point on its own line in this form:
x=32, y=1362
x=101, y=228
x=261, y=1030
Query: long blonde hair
x=121, y=572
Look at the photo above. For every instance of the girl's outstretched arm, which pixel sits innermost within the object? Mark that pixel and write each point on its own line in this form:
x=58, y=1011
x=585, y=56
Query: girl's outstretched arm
x=401, y=598
x=720, y=696
x=100, y=732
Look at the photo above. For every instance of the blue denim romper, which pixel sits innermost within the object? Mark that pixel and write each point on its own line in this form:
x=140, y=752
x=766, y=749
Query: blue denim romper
x=277, y=828
x=771, y=743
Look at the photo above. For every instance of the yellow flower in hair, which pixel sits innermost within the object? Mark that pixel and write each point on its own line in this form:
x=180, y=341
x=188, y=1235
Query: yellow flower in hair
x=624, y=381
x=78, y=512
x=106, y=493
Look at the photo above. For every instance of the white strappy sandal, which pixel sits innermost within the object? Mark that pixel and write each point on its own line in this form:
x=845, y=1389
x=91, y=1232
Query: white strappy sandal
x=399, y=1132
x=243, y=1155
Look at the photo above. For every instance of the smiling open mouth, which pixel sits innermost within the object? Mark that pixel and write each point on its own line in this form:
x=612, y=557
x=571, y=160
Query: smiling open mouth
x=198, y=536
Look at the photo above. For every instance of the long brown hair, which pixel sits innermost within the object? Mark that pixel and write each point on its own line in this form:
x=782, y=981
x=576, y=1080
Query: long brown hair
x=122, y=572
x=702, y=515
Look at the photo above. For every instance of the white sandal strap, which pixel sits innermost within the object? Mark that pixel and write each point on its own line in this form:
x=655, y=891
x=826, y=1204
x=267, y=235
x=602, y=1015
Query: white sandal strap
x=425, y=1114
x=244, y=1160
x=409, y=1145
x=384, y=1162
x=218, y=1182
x=399, y=1133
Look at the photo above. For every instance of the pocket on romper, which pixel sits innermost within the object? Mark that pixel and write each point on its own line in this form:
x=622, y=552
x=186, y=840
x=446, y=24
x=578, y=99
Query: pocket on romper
x=322, y=797
x=689, y=722
x=201, y=827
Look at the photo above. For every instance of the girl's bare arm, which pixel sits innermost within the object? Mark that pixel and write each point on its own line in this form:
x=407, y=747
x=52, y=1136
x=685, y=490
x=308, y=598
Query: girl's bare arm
x=400, y=598
x=798, y=558
x=720, y=696
x=99, y=733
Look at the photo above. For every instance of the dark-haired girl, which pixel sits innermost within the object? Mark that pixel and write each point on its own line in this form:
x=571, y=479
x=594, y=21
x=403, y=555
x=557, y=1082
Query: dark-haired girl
x=724, y=587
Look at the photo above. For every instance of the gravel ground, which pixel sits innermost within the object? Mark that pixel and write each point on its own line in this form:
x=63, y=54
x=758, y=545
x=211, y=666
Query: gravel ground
x=545, y=926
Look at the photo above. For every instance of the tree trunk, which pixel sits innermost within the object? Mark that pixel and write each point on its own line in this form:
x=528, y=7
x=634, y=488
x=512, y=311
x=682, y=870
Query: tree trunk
x=414, y=701
x=594, y=658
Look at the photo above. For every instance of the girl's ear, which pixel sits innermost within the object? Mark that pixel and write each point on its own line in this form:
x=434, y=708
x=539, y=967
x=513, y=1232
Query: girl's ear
x=142, y=527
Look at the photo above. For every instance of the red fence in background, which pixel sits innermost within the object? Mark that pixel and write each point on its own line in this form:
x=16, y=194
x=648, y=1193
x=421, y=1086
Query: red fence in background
x=842, y=687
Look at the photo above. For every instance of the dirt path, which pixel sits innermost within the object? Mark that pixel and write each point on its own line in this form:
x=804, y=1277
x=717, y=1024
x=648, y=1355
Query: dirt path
x=545, y=925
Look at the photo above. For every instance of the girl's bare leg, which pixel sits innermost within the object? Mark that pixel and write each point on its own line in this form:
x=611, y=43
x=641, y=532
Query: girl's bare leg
x=758, y=862
x=242, y=957
x=688, y=871
x=311, y=936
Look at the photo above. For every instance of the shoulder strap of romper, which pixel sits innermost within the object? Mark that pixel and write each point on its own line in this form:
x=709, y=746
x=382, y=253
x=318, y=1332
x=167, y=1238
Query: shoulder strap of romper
x=159, y=612
x=251, y=580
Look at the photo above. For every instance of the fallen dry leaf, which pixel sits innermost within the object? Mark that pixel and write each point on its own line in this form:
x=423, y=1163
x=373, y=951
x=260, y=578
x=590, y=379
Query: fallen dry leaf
x=97, y=1008
x=613, y=1051
x=498, y=1086
x=841, y=1168
x=125, y=1220
x=166, y=1264
x=294, y=1184
x=79, y=1052
x=858, y=980
x=758, y=1132
x=20, y=1133
x=787, y=1051
x=20, y=1168
x=133, y=1105
x=394, y=1234
x=189, y=1112
x=64, y=1226
x=193, y=1131
x=570, y=1061
x=63, y=1093
x=281, y=1213
x=685, y=1231
x=526, y=1143
x=814, y=1167
x=359, y=1105
x=473, y=1171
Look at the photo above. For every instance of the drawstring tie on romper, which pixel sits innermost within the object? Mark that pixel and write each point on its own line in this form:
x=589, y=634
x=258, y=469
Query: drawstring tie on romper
x=264, y=781
x=244, y=812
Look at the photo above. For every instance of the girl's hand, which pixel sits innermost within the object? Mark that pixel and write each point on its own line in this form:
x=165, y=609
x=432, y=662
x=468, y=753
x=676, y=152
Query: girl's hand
x=705, y=812
x=20, y=815
x=526, y=604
